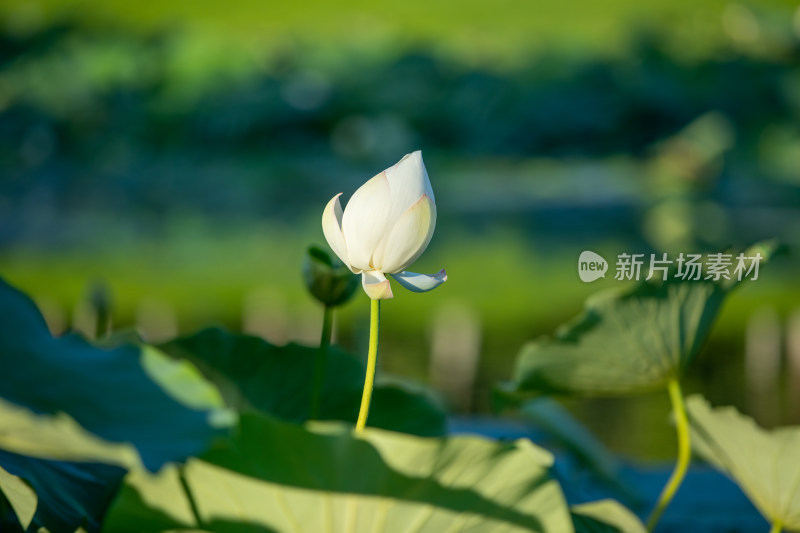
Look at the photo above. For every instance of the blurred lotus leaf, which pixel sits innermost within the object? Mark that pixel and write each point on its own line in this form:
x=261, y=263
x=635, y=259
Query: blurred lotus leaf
x=625, y=342
x=765, y=464
x=630, y=341
x=327, y=279
x=119, y=394
x=75, y=417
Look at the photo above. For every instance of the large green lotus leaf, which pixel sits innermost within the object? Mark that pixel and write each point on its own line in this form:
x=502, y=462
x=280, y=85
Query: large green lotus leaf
x=605, y=516
x=765, y=464
x=253, y=374
x=274, y=476
x=628, y=341
x=117, y=394
x=20, y=496
x=624, y=342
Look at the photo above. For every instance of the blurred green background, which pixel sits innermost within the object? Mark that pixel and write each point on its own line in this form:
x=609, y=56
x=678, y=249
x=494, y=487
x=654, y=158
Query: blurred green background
x=174, y=158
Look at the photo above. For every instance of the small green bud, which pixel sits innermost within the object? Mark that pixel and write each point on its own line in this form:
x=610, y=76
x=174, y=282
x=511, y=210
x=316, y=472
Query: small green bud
x=327, y=279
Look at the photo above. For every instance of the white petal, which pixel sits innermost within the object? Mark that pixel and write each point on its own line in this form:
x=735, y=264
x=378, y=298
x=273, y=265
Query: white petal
x=420, y=282
x=408, y=181
x=376, y=285
x=408, y=238
x=365, y=220
x=332, y=228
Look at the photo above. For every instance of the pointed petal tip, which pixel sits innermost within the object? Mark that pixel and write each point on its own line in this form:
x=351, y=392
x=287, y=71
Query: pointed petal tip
x=414, y=157
x=333, y=201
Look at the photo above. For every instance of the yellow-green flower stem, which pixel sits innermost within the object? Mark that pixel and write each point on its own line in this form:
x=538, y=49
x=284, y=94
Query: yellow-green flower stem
x=372, y=359
x=684, y=453
x=321, y=359
x=777, y=527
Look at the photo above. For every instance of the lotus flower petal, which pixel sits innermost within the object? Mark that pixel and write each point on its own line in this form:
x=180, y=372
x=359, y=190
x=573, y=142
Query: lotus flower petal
x=420, y=282
x=365, y=220
x=376, y=285
x=408, y=238
x=332, y=228
x=408, y=182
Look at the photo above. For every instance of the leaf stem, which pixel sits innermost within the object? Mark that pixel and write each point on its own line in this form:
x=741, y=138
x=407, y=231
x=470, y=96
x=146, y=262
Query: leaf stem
x=320, y=361
x=684, y=453
x=372, y=358
x=777, y=526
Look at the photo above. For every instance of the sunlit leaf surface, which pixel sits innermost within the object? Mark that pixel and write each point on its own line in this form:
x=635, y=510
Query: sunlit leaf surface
x=328, y=480
x=765, y=464
x=20, y=495
x=605, y=516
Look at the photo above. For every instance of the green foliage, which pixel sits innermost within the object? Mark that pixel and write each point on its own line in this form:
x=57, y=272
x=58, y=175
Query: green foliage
x=273, y=476
x=765, y=464
x=240, y=146
x=210, y=432
x=510, y=35
x=76, y=417
x=107, y=392
x=253, y=374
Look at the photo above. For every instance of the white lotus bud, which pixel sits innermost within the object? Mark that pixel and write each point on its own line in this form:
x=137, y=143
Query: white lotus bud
x=385, y=227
